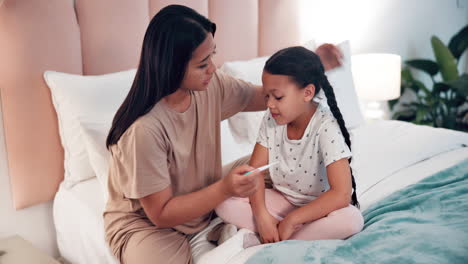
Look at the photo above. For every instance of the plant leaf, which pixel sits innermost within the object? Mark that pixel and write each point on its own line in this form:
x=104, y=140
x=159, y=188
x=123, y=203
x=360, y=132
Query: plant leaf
x=407, y=115
x=459, y=42
x=460, y=85
x=419, y=106
x=427, y=123
x=418, y=85
x=463, y=113
x=440, y=87
x=459, y=100
x=428, y=66
x=406, y=75
x=392, y=103
x=406, y=80
x=406, y=105
x=445, y=59
x=420, y=114
x=449, y=122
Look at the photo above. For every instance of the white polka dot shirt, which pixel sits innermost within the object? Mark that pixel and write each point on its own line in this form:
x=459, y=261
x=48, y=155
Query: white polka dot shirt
x=301, y=173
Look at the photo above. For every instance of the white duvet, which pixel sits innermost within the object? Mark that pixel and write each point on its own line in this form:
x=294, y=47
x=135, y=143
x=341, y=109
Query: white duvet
x=382, y=149
x=387, y=156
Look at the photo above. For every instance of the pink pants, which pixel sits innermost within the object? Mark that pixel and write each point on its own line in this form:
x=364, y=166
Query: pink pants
x=339, y=224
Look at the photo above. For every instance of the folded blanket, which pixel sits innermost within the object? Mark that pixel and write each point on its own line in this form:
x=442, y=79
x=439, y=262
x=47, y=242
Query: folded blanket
x=423, y=223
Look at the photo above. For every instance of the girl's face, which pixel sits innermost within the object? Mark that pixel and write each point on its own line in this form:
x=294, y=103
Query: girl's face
x=285, y=99
x=200, y=68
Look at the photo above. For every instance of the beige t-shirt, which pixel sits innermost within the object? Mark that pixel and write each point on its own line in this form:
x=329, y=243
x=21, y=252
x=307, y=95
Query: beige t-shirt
x=165, y=147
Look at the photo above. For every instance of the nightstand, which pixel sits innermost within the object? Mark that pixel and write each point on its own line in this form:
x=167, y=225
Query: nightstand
x=16, y=250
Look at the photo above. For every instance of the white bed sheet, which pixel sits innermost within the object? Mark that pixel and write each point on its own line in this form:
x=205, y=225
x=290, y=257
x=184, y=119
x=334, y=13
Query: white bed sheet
x=78, y=210
x=79, y=224
x=383, y=148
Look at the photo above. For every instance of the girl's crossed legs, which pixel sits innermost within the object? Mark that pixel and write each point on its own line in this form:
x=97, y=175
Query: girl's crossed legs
x=339, y=224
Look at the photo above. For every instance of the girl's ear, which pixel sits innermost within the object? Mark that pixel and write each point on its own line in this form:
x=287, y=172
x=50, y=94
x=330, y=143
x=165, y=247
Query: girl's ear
x=309, y=92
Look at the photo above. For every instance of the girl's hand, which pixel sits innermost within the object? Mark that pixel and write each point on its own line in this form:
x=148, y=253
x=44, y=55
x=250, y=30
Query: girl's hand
x=237, y=184
x=286, y=228
x=267, y=227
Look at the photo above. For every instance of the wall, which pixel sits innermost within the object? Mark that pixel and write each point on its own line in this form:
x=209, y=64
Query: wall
x=402, y=27
x=395, y=26
x=34, y=224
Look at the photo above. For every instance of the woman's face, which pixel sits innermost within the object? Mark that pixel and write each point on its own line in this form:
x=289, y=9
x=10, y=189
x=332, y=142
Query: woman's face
x=201, y=67
x=285, y=100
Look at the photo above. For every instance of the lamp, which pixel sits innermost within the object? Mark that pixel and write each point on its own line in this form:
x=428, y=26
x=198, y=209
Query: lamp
x=377, y=78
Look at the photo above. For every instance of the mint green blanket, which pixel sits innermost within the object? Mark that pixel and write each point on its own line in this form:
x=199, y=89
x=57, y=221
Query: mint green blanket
x=423, y=223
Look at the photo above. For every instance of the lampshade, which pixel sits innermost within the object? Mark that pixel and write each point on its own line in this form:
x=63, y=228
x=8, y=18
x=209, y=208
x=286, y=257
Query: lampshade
x=377, y=76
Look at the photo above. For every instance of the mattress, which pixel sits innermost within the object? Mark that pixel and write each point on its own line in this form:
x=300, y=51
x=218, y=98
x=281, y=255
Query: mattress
x=79, y=224
x=387, y=157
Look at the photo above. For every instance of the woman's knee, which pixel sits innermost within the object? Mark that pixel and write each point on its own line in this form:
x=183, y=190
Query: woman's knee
x=233, y=203
x=237, y=211
x=163, y=245
x=232, y=206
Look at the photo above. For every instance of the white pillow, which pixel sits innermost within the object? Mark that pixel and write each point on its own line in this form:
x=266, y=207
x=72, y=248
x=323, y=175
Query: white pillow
x=250, y=70
x=244, y=126
x=341, y=79
x=94, y=135
x=78, y=98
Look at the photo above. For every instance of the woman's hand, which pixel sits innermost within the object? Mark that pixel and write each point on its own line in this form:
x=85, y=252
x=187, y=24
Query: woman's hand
x=240, y=185
x=287, y=227
x=267, y=227
x=330, y=56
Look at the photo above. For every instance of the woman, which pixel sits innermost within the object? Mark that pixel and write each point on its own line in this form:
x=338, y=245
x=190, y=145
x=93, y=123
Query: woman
x=165, y=175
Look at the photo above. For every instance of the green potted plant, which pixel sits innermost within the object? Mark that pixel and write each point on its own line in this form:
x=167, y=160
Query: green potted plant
x=445, y=105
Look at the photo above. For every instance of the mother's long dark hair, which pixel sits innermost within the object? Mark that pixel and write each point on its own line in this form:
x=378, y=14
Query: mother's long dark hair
x=170, y=39
x=304, y=67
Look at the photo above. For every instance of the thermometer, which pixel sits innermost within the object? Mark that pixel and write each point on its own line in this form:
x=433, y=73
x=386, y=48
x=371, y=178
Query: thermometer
x=262, y=168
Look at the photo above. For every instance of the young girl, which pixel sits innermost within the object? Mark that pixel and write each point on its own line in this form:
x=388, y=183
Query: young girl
x=314, y=192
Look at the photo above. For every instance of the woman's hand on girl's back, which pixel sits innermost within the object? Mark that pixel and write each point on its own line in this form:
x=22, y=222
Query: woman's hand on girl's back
x=267, y=227
x=240, y=185
x=330, y=56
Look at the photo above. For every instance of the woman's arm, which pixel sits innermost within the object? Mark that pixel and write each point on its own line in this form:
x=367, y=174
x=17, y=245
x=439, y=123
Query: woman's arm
x=165, y=210
x=267, y=225
x=257, y=103
x=338, y=196
x=259, y=158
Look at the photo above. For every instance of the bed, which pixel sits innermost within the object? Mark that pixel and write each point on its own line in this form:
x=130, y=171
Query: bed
x=88, y=246
x=79, y=58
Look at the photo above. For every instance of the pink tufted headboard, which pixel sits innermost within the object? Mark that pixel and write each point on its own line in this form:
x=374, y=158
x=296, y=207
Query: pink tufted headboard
x=97, y=37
